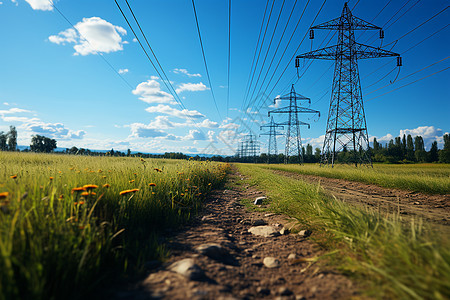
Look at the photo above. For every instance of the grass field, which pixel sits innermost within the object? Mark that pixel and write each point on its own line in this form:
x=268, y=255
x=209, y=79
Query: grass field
x=68, y=223
x=390, y=258
x=425, y=178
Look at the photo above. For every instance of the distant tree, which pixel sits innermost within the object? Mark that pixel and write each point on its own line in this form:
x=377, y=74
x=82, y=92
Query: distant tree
x=420, y=153
x=309, y=154
x=418, y=143
x=128, y=152
x=409, y=148
x=404, y=146
x=433, y=155
x=41, y=143
x=444, y=154
x=12, y=138
x=73, y=150
x=317, y=154
x=3, y=141
x=376, y=145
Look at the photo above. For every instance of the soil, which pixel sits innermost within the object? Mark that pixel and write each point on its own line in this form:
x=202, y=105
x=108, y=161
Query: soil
x=225, y=221
x=431, y=208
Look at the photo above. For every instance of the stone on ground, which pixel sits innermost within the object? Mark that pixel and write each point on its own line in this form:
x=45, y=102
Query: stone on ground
x=187, y=268
x=305, y=233
x=265, y=231
x=271, y=262
x=284, y=231
x=259, y=200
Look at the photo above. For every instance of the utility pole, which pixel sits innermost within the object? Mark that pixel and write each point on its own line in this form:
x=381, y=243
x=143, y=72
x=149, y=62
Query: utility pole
x=293, y=138
x=346, y=125
x=272, y=147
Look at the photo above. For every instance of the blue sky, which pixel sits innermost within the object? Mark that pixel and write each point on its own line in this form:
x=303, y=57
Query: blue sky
x=56, y=84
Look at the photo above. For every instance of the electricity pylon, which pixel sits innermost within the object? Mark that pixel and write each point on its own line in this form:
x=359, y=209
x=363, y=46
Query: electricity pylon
x=249, y=147
x=273, y=133
x=293, y=138
x=346, y=125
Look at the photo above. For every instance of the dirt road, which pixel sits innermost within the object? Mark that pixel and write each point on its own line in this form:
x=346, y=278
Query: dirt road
x=240, y=264
x=432, y=208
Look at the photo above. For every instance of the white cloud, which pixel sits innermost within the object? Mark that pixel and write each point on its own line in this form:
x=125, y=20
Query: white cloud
x=150, y=92
x=428, y=133
x=208, y=124
x=52, y=130
x=18, y=119
x=165, y=109
x=276, y=104
x=139, y=130
x=190, y=149
x=40, y=4
x=232, y=126
x=123, y=71
x=185, y=72
x=93, y=35
x=211, y=136
x=6, y=103
x=13, y=110
x=191, y=87
x=383, y=139
x=195, y=135
x=314, y=142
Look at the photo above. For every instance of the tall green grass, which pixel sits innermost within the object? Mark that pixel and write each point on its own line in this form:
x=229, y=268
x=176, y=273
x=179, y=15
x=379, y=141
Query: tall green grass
x=58, y=243
x=426, y=178
x=395, y=260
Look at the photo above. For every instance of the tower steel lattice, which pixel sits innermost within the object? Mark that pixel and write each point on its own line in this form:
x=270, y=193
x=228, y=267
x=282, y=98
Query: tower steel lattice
x=273, y=133
x=346, y=125
x=293, y=147
x=248, y=148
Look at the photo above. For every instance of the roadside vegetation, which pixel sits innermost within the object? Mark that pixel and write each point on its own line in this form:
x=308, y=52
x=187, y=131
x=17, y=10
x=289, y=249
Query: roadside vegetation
x=69, y=223
x=393, y=259
x=425, y=178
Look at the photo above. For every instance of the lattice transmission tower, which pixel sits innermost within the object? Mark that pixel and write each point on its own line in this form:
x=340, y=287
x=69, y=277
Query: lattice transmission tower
x=346, y=125
x=293, y=147
x=248, y=148
x=272, y=133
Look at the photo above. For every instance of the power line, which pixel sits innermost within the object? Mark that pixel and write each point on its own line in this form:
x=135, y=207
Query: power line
x=444, y=59
x=99, y=53
x=410, y=48
x=268, y=49
x=285, y=49
x=276, y=50
x=169, y=86
x=259, y=53
x=403, y=14
x=166, y=83
x=406, y=3
x=417, y=27
x=279, y=78
x=409, y=83
x=204, y=58
x=256, y=50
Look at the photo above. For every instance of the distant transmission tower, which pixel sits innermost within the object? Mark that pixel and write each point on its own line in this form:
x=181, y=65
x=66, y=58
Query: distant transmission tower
x=273, y=133
x=346, y=126
x=293, y=138
x=248, y=148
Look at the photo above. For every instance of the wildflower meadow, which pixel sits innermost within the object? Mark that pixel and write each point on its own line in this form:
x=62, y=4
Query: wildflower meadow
x=69, y=223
